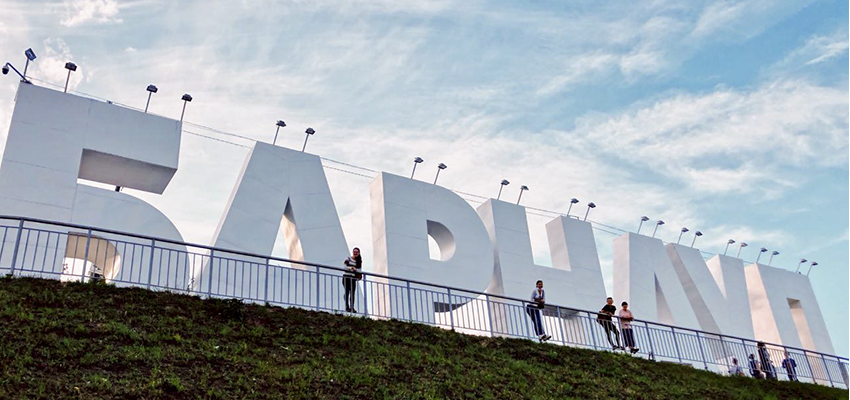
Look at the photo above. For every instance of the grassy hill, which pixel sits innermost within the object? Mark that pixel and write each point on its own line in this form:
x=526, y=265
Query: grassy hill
x=89, y=341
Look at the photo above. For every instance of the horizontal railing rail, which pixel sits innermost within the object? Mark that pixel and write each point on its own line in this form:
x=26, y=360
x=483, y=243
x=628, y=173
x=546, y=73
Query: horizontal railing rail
x=37, y=247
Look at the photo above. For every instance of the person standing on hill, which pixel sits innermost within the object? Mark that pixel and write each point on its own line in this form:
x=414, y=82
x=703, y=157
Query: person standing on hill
x=626, y=319
x=538, y=302
x=766, y=365
x=754, y=367
x=790, y=367
x=604, y=319
x=350, y=278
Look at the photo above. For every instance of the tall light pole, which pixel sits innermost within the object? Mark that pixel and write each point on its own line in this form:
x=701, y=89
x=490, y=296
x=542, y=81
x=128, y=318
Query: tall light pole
x=802, y=260
x=502, y=186
x=187, y=98
x=30, y=57
x=280, y=124
x=728, y=242
x=810, y=267
x=696, y=235
x=642, y=220
x=70, y=67
x=741, y=246
x=572, y=201
x=682, y=232
x=761, y=251
x=439, y=168
x=521, y=189
x=775, y=253
x=589, y=206
x=151, y=90
x=657, y=224
x=416, y=161
x=309, y=132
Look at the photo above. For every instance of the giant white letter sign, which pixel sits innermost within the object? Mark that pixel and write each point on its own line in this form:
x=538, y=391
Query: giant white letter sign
x=728, y=273
x=404, y=213
x=645, y=278
x=277, y=185
x=55, y=138
x=785, y=310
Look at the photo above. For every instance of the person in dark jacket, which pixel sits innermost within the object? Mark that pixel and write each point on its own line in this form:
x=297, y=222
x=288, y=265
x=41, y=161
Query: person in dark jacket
x=604, y=319
x=350, y=278
x=754, y=367
x=790, y=367
x=766, y=365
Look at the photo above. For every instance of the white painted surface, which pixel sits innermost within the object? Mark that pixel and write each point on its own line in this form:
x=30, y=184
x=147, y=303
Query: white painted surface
x=770, y=289
x=705, y=297
x=728, y=274
x=647, y=280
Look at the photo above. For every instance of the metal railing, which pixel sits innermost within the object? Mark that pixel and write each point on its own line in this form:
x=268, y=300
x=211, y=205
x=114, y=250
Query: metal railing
x=47, y=249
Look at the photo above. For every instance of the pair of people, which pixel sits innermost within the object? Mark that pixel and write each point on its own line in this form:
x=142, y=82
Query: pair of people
x=626, y=318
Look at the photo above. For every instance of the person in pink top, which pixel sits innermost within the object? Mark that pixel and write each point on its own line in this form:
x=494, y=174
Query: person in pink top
x=626, y=319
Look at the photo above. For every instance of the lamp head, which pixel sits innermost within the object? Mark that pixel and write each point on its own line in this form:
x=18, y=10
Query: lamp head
x=814, y=263
x=802, y=260
x=280, y=123
x=187, y=97
x=644, y=218
x=505, y=182
x=591, y=205
x=442, y=166
x=684, y=230
x=70, y=66
x=698, y=233
x=744, y=244
x=418, y=160
x=310, y=131
x=762, y=250
x=573, y=200
x=30, y=54
x=660, y=222
x=152, y=89
x=523, y=187
x=775, y=253
x=730, y=241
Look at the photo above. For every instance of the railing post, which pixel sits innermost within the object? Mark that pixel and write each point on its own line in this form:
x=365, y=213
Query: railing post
x=365, y=296
x=489, y=313
x=592, y=334
x=725, y=354
x=317, y=288
x=701, y=351
x=409, y=303
x=561, y=327
x=649, y=336
x=809, y=363
x=451, y=313
x=86, y=256
x=17, y=245
x=826, y=368
x=150, y=264
x=266, y=288
x=676, y=343
x=210, y=274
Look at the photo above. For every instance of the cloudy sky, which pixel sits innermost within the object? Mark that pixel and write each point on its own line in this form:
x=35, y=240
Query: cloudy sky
x=727, y=117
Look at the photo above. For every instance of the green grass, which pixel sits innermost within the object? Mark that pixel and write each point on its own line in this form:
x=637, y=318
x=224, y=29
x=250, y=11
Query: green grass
x=90, y=341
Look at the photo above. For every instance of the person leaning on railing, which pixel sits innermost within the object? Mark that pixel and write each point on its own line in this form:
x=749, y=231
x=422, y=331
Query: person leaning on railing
x=350, y=278
x=604, y=319
x=626, y=319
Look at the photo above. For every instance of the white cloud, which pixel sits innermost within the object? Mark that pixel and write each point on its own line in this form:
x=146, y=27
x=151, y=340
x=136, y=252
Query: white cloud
x=79, y=12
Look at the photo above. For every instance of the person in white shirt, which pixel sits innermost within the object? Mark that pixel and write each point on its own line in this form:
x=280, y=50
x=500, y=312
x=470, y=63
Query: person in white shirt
x=736, y=369
x=538, y=302
x=626, y=319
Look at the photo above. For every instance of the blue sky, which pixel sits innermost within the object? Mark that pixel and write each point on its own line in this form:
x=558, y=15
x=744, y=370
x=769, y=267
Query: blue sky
x=727, y=117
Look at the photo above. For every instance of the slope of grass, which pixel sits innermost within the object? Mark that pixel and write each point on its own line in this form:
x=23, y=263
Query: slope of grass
x=88, y=341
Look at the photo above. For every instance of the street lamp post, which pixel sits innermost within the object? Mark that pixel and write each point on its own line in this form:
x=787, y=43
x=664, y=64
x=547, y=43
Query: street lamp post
x=730, y=241
x=802, y=260
x=682, y=232
x=740, y=247
x=761, y=251
x=521, y=189
x=642, y=220
x=502, y=186
x=572, y=201
x=309, y=132
x=280, y=124
x=657, y=224
x=416, y=161
x=439, y=168
x=810, y=267
x=187, y=98
x=589, y=206
x=151, y=90
x=70, y=67
x=775, y=253
x=696, y=235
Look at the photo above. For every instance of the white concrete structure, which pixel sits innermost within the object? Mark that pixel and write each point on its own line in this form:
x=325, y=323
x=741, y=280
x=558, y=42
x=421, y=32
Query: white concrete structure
x=404, y=213
x=55, y=138
x=646, y=279
x=278, y=186
x=575, y=278
x=728, y=274
x=708, y=303
x=785, y=310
